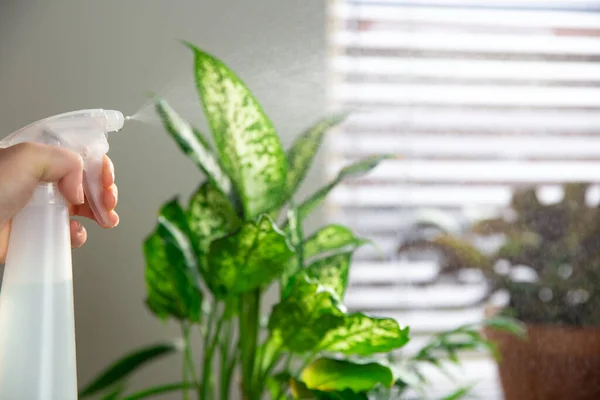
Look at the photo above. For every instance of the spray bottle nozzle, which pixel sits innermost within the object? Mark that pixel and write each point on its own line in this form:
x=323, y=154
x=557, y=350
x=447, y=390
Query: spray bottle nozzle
x=114, y=120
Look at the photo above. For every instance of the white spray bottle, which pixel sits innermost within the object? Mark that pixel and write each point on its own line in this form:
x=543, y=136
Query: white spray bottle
x=37, y=328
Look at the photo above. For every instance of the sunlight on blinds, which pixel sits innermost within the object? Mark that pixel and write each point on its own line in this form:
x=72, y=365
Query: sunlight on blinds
x=474, y=98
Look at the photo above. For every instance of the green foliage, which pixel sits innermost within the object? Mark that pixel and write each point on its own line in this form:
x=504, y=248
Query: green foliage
x=305, y=147
x=331, y=238
x=559, y=242
x=248, y=259
x=301, y=320
x=444, y=349
x=110, y=379
x=246, y=140
x=353, y=170
x=328, y=374
x=171, y=272
x=363, y=336
x=209, y=264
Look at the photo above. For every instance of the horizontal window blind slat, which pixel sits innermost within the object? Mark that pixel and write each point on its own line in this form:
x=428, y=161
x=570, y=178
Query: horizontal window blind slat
x=519, y=121
x=438, y=296
x=470, y=43
x=390, y=273
x=417, y=145
x=481, y=95
x=394, y=195
x=415, y=171
x=567, y=5
x=398, y=218
x=436, y=321
x=457, y=68
x=506, y=18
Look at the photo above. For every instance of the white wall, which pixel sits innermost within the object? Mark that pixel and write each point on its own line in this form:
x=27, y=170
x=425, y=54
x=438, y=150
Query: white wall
x=62, y=55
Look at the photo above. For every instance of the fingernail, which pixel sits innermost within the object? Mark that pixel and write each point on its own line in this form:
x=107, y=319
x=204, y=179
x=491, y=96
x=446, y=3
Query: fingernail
x=81, y=195
x=79, y=227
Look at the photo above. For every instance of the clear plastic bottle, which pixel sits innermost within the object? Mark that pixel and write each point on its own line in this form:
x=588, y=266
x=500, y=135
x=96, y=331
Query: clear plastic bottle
x=37, y=325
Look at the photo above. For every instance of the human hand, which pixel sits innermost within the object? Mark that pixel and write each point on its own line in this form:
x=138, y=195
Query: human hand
x=24, y=166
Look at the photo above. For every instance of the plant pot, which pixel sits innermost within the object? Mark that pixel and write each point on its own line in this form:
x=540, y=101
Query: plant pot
x=553, y=363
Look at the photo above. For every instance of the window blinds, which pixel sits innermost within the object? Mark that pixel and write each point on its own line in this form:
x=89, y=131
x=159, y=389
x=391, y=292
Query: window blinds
x=474, y=98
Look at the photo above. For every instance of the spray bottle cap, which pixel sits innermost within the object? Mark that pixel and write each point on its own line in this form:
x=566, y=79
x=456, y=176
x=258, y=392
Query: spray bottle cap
x=83, y=132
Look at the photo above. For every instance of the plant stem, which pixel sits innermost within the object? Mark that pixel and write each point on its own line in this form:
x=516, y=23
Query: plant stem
x=233, y=360
x=207, y=356
x=225, y=348
x=158, y=390
x=249, y=324
x=185, y=329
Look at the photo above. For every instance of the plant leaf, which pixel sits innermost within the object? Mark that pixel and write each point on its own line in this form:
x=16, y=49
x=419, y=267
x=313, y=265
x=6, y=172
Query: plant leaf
x=210, y=215
x=458, y=393
x=331, y=272
x=327, y=374
x=302, y=319
x=457, y=253
x=340, y=395
x=171, y=271
x=248, y=145
x=301, y=392
x=296, y=236
x=363, y=335
x=353, y=170
x=302, y=153
x=509, y=325
x=126, y=365
x=195, y=146
x=247, y=259
x=330, y=238
x=113, y=394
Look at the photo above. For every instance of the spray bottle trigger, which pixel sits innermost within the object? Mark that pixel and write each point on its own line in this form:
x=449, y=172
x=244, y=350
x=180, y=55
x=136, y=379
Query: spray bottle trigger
x=93, y=186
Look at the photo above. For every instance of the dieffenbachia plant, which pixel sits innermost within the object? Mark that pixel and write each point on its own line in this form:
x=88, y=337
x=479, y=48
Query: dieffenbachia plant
x=209, y=263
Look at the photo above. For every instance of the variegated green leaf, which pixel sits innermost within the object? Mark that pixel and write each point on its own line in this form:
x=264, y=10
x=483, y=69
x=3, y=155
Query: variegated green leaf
x=330, y=238
x=331, y=272
x=248, y=145
x=353, y=170
x=296, y=237
x=247, y=259
x=363, y=336
x=301, y=154
x=329, y=375
x=114, y=375
x=210, y=215
x=171, y=271
x=301, y=320
x=301, y=392
x=195, y=146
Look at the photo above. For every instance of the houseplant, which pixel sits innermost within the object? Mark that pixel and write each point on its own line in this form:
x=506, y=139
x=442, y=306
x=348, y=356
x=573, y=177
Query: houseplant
x=209, y=263
x=558, y=246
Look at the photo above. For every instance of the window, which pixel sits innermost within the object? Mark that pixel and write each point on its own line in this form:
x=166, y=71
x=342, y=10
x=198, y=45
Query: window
x=475, y=98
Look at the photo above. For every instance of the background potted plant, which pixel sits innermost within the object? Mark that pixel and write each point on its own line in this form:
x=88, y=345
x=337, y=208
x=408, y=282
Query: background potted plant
x=548, y=262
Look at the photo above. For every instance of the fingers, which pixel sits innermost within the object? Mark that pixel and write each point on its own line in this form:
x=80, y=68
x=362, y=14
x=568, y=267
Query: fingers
x=46, y=163
x=78, y=234
x=109, y=197
x=64, y=166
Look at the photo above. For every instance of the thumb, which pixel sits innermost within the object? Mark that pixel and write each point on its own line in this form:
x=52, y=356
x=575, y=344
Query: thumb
x=24, y=166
